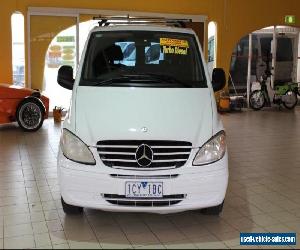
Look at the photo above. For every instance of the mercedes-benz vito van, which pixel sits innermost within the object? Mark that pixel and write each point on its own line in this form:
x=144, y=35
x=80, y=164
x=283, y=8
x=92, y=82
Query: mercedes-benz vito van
x=142, y=133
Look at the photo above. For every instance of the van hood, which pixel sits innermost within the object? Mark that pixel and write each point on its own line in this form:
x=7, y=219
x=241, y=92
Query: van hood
x=119, y=113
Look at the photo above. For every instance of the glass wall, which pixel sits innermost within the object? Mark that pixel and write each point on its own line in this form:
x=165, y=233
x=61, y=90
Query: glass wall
x=62, y=51
x=211, y=46
x=283, y=58
x=46, y=35
x=18, y=49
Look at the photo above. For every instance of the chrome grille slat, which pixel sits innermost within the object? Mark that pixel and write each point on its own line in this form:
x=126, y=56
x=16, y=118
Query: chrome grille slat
x=175, y=153
x=115, y=146
x=175, y=160
x=115, y=153
x=154, y=161
x=122, y=154
x=117, y=160
x=126, y=153
x=132, y=146
x=143, y=169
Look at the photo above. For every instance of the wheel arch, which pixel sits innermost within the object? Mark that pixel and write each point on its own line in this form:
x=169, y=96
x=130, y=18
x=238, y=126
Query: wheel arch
x=33, y=99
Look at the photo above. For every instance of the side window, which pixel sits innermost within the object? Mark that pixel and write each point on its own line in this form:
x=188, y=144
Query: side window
x=153, y=54
x=129, y=53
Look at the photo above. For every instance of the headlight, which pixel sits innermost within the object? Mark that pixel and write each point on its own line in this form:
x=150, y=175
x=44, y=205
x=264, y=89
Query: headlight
x=75, y=149
x=211, y=151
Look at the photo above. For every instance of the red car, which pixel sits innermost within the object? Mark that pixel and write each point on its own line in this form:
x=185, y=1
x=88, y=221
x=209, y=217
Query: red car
x=26, y=106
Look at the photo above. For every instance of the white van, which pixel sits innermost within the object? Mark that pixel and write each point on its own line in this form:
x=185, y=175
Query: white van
x=144, y=135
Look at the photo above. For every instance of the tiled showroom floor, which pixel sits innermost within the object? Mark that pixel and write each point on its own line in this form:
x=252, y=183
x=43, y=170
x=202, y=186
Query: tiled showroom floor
x=263, y=193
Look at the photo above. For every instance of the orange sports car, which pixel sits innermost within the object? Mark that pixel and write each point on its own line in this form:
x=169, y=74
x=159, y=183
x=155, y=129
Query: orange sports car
x=26, y=106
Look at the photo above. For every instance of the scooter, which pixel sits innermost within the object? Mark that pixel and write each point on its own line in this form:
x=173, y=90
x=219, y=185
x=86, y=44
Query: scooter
x=285, y=94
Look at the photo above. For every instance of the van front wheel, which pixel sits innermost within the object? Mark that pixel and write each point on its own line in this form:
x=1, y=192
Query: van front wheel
x=70, y=209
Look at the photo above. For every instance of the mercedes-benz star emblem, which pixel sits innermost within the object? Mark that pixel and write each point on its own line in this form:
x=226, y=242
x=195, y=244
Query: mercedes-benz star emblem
x=144, y=129
x=144, y=155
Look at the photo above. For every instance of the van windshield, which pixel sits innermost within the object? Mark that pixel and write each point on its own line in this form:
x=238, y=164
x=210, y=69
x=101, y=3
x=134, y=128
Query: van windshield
x=143, y=59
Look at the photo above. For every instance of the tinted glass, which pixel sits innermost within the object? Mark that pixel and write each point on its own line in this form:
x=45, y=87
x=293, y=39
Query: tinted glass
x=266, y=48
x=143, y=59
x=284, y=50
x=211, y=50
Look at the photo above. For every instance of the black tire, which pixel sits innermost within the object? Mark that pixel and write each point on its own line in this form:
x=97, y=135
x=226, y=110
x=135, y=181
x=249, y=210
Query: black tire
x=213, y=210
x=70, y=209
x=253, y=100
x=30, y=115
x=294, y=102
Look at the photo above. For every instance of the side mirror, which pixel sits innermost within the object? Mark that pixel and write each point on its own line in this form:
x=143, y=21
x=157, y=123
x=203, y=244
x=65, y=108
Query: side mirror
x=65, y=77
x=218, y=79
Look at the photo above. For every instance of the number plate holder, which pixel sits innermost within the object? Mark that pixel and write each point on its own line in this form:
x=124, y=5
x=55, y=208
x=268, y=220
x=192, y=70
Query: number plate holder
x=143, y=189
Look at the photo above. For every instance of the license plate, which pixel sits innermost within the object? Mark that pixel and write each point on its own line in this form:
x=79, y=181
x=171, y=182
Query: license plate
x=143, y=189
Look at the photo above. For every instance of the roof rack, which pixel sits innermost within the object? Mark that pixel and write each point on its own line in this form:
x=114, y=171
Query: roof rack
x=127, y=19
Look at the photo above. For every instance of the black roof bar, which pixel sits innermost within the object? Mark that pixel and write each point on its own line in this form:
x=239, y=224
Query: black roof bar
x=119, y=20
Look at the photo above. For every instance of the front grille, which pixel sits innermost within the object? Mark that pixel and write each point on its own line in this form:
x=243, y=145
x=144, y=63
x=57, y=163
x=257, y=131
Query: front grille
x=166, y=200
x=122, y=154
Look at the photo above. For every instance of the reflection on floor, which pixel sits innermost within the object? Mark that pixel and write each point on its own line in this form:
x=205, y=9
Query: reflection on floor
x=263, y=193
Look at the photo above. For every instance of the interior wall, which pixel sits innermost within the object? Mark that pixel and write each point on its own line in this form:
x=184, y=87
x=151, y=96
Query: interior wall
x=234, y=18
x=6, y=10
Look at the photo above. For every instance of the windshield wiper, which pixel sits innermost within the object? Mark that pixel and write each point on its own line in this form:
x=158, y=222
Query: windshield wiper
x=119, y=79
x=122, y=79
x=162, y=78
x=140, y=78
x=143, y=78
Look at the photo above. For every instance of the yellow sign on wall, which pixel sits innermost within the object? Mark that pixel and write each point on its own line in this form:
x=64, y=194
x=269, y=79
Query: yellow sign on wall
x=290, y=19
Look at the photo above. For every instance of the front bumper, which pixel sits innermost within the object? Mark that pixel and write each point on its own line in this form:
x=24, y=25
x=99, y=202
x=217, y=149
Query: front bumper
x=84, y=186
